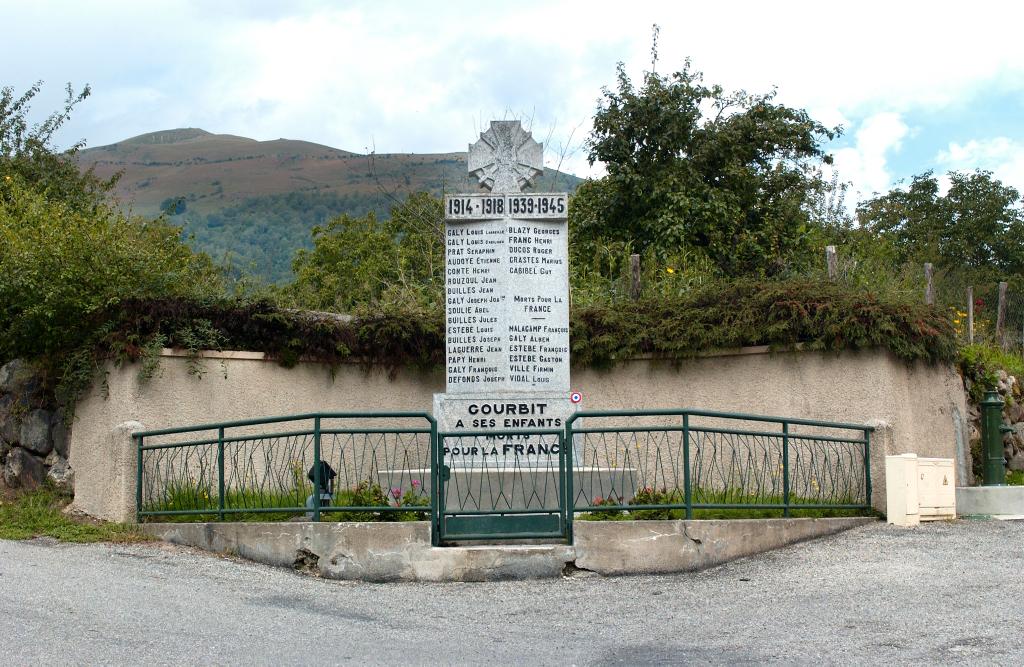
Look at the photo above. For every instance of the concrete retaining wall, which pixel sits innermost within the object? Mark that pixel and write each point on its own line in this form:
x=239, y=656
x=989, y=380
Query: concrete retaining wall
x=918, y=408
x=1001, y=502
x=651, y=547
x=402, y=551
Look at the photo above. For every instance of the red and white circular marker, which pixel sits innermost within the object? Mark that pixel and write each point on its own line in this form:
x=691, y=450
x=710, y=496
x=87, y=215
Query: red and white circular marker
x=575, y=397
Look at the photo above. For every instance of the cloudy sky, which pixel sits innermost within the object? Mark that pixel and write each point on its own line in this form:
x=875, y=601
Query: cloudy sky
x=915, y=85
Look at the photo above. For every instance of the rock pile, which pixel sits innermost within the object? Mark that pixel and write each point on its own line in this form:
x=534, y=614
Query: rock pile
x=33, y=433
x=1011, y=391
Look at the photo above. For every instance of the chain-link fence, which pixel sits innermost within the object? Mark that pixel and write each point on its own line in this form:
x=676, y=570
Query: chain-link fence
x=983, y=311
x=987, y=312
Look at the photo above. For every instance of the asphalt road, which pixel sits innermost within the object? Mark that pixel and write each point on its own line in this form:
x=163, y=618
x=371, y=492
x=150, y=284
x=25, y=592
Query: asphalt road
x=942, y=593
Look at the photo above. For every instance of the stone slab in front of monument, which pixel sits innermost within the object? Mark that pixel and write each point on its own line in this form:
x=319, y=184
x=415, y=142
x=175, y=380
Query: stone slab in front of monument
x=507, y=304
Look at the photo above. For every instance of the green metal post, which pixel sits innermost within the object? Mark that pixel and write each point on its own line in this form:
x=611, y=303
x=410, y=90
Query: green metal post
x=867, y=467
x=687, y=491
x=785, y=467
x=991, y=437
x=442, y=490
x=220, y=473
x=569, y=505
x=435, y=489
x=316, y=469
x=138, y=479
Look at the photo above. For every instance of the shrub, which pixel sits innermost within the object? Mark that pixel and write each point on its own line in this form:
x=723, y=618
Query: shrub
x=62, y=267
x=746, y=312
x=980, y=365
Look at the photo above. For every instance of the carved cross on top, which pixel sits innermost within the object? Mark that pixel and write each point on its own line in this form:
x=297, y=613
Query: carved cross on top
x=506, y=157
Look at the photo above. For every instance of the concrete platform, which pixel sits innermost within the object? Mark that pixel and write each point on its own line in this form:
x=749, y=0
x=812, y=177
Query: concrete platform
x=402, y=551
x=514, y=488
x=997, y=502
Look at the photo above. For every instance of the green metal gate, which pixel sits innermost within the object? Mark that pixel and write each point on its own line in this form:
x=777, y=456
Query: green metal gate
x=495, y=485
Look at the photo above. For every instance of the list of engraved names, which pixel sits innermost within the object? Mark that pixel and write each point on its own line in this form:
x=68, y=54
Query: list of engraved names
x=507, y=311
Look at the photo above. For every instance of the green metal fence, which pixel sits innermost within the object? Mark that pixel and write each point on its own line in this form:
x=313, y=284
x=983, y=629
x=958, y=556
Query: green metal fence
x=515, y=484
x=651, y=462
x=373, y=465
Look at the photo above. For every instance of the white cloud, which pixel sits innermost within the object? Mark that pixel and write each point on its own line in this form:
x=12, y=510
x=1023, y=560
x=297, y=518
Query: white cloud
x=865, y=164
x=1000, y=155
x=403, y=76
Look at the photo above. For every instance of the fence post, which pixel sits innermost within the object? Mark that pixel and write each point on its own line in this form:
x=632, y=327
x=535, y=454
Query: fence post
x=867, y=468
x=220, y=473
x=1001, y=337
x=929, y=288
x=570, y=500
x=830, y=262
x=138, y=479
x=785, y=467
x=970, y=315
x=687, y=491
x=435, y=487
x=634, y=277
x=316, y=469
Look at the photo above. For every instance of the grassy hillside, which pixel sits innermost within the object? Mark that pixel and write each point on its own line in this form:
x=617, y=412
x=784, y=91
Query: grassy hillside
x=255, y=202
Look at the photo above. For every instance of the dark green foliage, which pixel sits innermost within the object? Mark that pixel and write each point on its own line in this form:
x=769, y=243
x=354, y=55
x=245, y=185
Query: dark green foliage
x=261, y=235
x=745, y=313
x=780, y=314
x=692, y=168
x=363, y=261
x=976, y=229
x=390, y=338
x=63, y=266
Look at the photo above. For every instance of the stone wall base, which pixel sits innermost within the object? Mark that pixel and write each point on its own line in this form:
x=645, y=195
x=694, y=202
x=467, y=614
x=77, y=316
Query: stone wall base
x=382, y=552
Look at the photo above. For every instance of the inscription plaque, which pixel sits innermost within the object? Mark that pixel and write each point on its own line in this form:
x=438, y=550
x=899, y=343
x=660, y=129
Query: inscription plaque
x=507, y=305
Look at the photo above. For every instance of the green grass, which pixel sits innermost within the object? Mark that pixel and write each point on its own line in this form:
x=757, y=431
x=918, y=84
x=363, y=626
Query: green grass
x=39, y=514
x=1015, y=477
x=739, y=513
x=618, y=512
x=363, y=495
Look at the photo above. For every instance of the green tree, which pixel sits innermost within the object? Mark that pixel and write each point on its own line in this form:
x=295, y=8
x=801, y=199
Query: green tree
x=61, y=267
x=359, y=261
x=27, y=151
x=67, y=255
x=693, y=169
x=976, y=228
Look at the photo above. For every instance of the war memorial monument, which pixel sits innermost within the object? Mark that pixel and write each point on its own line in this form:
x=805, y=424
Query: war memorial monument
x=507, y=304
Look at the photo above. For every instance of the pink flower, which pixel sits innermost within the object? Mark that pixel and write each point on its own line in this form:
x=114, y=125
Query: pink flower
x=396, y=492
x=598, y=500
x=415, y=483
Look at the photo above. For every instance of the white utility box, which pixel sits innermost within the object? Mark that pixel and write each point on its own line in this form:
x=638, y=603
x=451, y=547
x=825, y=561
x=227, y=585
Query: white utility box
x=936, y=489
x=901, y=490
x=919, y=489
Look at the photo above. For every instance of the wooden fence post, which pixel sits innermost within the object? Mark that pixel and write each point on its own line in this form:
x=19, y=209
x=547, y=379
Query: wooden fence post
x=970, y=315
x=830, y=261
x=634, y=272
x=929, y=289
x=1001, y=337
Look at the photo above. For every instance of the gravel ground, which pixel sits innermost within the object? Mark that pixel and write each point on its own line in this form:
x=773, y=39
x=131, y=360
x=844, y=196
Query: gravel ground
x=941, y=593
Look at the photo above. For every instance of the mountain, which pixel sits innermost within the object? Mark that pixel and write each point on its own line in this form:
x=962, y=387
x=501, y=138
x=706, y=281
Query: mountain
x=254, y=203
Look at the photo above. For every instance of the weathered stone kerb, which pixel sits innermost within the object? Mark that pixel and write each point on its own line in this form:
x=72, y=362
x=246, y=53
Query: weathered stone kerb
x=402, y=551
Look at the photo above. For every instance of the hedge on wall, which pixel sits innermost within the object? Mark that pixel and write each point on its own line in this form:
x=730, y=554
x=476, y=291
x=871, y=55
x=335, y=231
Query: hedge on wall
x=745, y=313
x=779, y=314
